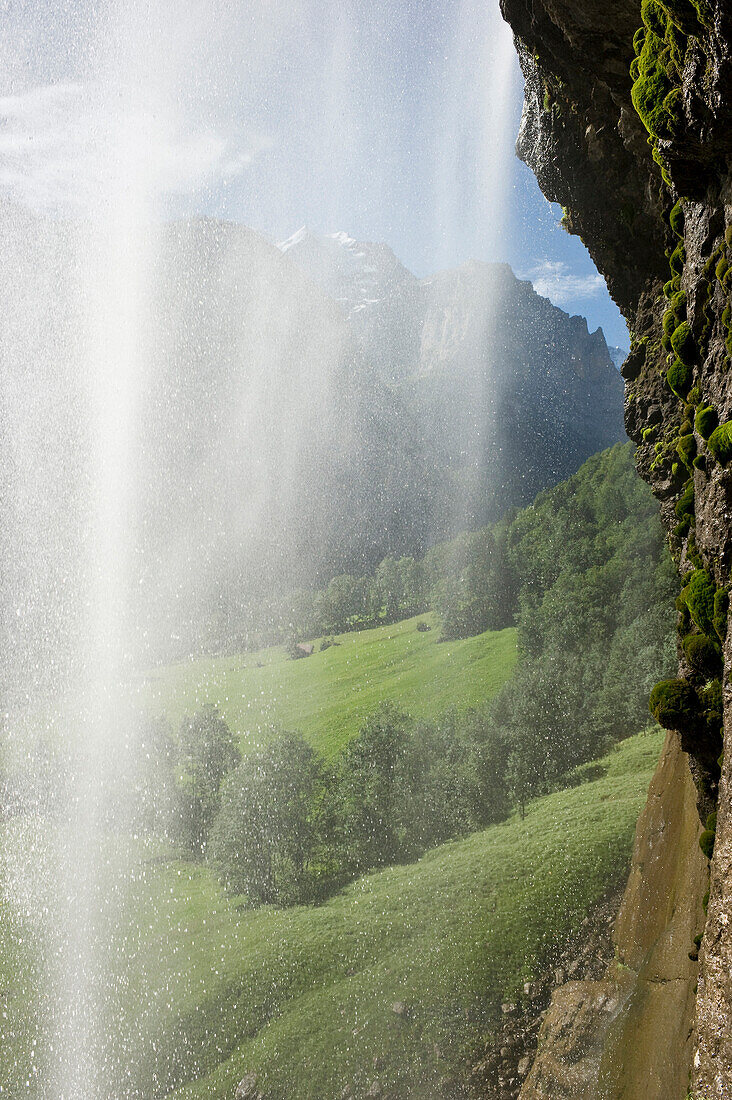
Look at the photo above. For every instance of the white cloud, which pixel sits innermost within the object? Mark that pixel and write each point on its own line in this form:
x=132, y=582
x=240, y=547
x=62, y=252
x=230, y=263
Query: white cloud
x=554, y=280
x=65, y=146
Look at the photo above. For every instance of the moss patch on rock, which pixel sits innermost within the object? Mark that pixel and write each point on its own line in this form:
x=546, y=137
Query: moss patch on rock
x=680, y=377
x=698, y=595
x=706, y=420
x=674, y=704
x=720, y=443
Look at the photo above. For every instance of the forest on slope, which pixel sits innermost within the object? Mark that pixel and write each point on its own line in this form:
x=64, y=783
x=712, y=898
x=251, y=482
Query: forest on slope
x=585, y=576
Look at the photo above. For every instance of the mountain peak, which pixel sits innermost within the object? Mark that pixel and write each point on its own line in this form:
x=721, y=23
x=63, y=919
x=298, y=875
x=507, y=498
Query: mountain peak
x=357, y=274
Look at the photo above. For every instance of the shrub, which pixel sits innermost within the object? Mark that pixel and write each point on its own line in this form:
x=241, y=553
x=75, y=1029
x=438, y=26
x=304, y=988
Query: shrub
x=682, y=342
x=423, y=627
x=706, y=420
x=679, y=377
x=674, y=704
x=720, y=443
x=702, y=653
x=706, y=842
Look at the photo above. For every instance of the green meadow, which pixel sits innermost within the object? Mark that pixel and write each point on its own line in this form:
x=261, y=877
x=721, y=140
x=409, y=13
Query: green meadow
x=328, y=695
x=306, y=997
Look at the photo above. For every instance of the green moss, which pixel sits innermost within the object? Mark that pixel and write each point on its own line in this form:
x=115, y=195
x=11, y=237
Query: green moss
x=653, y=84
x=654, y=18
x=638, y=39
x=672, y=286
x=682, y=342
x=698, y=595
x=703, y=654
x=706, y=420
x=721, y=269
x=692, y=554
x=712, y=704
x=726, y=316
x=681, y=529
x=684, y=16
x=712, y=821
x=679, y=377
x=694, y=395
x=677, y=259
x=706, y=842
x=649, y=433
x=687, y=427
x=686, y=448
x=720, y=443
x=685, y=505
x=674, y=704
x=728, y=235
x=676, y=218
x=673, y=108
x=678, y=304
x=668, y=325
x=721, y=612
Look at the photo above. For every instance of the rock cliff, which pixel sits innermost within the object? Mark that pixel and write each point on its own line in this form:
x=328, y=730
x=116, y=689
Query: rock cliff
x=626, y=123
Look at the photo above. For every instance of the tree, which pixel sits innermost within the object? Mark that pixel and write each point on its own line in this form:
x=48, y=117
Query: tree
x=370, y=788
x=265, y=837
x=208, y=753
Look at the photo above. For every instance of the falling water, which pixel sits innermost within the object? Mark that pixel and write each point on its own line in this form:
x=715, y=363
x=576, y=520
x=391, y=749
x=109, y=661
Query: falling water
x=84, y=360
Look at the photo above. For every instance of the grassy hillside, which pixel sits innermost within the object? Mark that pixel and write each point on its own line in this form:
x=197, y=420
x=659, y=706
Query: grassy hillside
x=328, y=695
x=305, y=997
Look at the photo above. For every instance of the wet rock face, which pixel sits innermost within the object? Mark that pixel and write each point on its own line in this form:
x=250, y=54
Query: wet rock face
x=628, y=124
x=627, y=1033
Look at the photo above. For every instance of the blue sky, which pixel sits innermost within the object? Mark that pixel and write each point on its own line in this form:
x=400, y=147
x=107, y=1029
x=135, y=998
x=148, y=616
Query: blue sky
x=391, y=121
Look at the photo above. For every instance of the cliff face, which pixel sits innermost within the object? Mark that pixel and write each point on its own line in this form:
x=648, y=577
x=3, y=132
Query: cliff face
x=627, y=124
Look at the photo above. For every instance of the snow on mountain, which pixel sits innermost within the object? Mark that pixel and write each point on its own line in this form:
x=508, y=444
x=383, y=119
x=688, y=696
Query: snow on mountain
x=358, y=275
